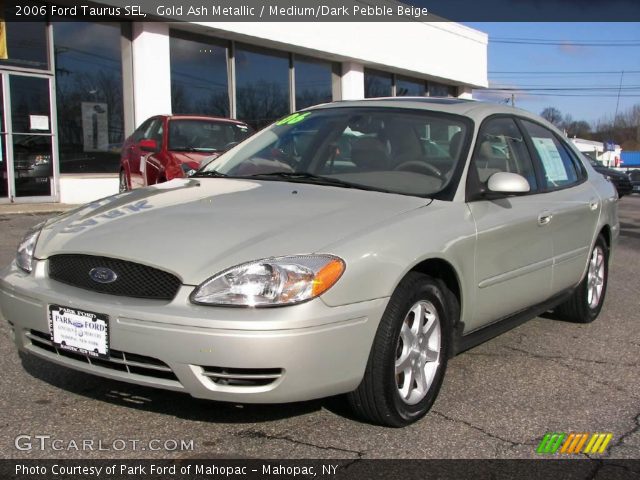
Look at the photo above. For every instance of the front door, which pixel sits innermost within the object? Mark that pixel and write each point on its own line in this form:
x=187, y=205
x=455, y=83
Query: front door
x=28, y=144
x=514, y=247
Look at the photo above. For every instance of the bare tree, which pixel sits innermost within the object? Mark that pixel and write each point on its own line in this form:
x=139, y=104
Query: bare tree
x=552, y=115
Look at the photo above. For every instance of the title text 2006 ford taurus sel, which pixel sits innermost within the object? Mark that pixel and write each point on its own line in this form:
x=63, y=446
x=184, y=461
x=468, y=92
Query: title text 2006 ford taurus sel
x=349, y=248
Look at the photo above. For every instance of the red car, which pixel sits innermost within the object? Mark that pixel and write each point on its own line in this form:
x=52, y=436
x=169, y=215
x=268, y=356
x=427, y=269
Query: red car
x=165, y=147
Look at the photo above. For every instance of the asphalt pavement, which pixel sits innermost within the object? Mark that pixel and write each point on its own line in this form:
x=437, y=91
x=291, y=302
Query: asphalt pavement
x=497, y=401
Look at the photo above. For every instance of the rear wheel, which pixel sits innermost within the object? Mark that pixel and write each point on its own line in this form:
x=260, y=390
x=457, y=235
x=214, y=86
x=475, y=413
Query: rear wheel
x=409, y=355
x=123, y=185
x=586, y=301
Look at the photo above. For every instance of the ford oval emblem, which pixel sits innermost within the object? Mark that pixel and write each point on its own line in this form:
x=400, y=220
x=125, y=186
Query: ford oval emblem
x=103, y=275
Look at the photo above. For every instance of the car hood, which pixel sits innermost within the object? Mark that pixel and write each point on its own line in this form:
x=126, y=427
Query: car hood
x=195, y=228
x=611, y=172
x=191, y=157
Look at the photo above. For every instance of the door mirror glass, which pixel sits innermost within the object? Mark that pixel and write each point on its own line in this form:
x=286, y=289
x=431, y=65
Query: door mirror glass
x=508, y=183
x=148, y=145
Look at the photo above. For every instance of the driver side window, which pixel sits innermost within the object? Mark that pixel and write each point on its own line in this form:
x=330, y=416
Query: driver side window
x=501, y=148
x=141, y=130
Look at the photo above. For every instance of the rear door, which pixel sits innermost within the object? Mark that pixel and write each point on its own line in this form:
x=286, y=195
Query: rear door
x=514, y=246
x=572, y=203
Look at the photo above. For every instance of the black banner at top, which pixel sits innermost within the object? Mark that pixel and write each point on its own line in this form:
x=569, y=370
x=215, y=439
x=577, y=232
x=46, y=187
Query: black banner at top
x=326, y=10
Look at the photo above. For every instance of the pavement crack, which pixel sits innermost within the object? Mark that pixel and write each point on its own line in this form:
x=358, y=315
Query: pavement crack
x=626, y=435
x=590, y=376
x=565, y=357
x=480, y=429
x=263, y=435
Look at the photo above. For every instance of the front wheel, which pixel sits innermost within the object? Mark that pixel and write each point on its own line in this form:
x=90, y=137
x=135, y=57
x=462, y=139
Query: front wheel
x=586, y=301
x=409, y=354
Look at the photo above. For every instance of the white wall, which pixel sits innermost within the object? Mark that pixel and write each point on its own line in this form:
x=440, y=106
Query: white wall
x=77, y=189
x=151, y=70
x=352, y=81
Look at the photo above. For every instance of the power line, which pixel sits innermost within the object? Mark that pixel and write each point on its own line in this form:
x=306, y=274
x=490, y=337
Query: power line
x=589, y=95
x=533, y=39
x=559, y=89
x=540, y=41
x=560, y=72
x=545, y=85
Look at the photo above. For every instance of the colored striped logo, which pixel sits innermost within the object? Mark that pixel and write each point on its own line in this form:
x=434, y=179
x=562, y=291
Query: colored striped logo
x=570, y=443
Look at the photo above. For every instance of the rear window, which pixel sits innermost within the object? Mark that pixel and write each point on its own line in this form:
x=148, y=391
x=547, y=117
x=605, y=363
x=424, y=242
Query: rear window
x=559, y=167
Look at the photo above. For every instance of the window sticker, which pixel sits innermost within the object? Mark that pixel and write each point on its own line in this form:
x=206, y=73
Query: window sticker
x=293, y=118
x=551, y=159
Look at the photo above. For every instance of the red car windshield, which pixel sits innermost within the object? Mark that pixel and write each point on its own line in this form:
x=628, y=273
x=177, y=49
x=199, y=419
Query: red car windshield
x=205, y=135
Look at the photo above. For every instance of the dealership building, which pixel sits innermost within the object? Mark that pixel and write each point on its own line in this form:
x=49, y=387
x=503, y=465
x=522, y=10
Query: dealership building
x=71, y=92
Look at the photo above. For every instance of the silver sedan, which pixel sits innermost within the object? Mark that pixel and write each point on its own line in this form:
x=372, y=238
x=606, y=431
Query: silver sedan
x=351, y=248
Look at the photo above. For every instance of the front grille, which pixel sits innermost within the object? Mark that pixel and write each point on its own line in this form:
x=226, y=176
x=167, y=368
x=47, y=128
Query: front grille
x=120, y=361
x=242, y=377
x=133, y=279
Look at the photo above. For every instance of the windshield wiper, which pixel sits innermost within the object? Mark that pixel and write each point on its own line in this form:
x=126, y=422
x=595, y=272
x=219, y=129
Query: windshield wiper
x=208, y=173
x=304, y=177
x=195, y=149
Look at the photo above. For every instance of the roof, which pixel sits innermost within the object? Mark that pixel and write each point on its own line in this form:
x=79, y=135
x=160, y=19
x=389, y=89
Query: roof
x=471, y=108
x=203, y=117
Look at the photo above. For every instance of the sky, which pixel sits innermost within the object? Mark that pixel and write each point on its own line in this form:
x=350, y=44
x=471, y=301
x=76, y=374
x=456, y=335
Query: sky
x=555, y=66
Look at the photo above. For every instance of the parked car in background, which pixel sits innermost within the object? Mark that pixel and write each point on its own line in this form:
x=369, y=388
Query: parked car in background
x=634, y=176
x=165, y=147
x=351, y=248
x=619, y=179
x=32, y=164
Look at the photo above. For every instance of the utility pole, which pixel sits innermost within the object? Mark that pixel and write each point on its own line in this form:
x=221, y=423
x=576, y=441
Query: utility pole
x=615, y=117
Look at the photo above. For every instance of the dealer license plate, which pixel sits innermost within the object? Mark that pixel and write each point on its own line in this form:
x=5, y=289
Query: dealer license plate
x=79, y=331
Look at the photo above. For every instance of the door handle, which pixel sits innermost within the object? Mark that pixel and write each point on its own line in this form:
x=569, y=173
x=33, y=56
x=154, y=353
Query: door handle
x=593, y=204
x=545, y=218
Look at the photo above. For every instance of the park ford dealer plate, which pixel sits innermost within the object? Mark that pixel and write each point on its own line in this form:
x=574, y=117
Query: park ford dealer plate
x=78, y=331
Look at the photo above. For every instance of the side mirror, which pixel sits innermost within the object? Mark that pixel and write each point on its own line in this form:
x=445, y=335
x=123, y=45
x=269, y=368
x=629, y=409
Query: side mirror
x=148, y=145
x=508, y=183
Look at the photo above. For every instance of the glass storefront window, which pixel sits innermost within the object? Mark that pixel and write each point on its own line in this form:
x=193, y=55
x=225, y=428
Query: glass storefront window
x=377, y=84
x=89, y=96
x=441, y=90
x=4, y=175
x=410, y=88
x=199, y=80
x=313, y=82
x=262, y=85
x=26, y=45
x=31, y=123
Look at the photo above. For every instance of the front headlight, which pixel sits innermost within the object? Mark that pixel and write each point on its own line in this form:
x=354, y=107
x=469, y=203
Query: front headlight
x=26, y=247
x=42, y=160
x=187, y=170
x=271, y=282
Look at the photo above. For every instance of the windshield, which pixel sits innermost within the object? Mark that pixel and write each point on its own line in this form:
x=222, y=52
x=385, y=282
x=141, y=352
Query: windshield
x=205, y=135
x=412, y=152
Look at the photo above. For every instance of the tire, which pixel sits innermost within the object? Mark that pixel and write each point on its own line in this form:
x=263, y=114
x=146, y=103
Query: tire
x=123, y=185
x=396, y=396
x=586, y=301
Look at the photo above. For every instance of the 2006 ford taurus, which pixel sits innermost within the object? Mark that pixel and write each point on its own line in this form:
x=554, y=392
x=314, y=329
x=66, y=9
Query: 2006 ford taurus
x=349, y=248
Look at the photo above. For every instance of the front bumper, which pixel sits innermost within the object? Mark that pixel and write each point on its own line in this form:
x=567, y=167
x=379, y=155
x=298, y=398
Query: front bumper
x=271, y=355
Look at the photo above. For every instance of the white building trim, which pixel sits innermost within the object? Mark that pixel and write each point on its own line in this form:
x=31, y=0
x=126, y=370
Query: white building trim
x=151, y=70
